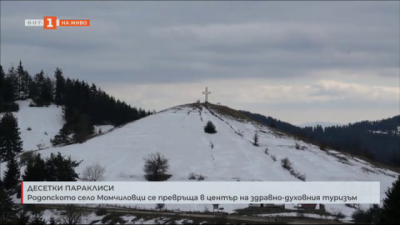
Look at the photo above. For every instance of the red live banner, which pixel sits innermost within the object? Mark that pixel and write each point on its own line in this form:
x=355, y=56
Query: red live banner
x=74, y=23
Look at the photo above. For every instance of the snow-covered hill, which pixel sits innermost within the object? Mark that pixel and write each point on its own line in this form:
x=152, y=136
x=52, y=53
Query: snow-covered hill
x=227, y=155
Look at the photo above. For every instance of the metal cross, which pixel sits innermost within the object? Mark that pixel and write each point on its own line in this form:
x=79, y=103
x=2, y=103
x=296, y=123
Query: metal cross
x=206, y=93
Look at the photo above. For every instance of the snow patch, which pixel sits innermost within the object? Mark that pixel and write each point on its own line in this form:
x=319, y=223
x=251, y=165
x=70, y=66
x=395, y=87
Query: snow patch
x=38, y=124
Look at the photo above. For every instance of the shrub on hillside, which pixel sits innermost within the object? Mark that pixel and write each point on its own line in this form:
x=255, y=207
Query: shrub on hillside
x=193, y=176
x=299, y=176
x=94, y=172
x=40, y=146
x=285, y=162
x=156, y=167
x=255, y=139
x=210, y=128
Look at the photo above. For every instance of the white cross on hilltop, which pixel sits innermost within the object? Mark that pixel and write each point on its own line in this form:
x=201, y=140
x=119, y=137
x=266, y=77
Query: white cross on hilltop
x=206, y=93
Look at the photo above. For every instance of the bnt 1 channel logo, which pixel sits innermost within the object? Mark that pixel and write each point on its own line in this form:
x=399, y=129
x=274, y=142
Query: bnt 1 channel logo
x=51, y=23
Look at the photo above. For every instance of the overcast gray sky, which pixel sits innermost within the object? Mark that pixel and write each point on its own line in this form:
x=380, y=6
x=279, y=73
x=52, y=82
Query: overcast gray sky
x=296, y=61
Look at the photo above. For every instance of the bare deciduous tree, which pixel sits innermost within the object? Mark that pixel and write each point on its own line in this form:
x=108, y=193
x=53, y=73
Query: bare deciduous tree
x=94, y=172
x=160, y=206
x=40, y=146
x=155, y=167
x=72, y=215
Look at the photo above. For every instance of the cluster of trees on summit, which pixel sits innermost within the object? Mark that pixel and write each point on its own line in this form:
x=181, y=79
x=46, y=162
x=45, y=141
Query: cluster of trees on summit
x=358, y=138
x=83, y=105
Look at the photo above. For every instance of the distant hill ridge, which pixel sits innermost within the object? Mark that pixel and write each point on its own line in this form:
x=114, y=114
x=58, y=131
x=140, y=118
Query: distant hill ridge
x=376, y=140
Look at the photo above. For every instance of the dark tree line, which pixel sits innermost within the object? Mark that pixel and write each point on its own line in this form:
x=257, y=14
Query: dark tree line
x=53, y=168
x=84, y=105
x=387, y=214
x=357, y=138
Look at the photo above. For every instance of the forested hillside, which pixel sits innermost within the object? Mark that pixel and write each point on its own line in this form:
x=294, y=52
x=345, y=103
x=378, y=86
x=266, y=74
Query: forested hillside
x=377, y=140
x=84, y=105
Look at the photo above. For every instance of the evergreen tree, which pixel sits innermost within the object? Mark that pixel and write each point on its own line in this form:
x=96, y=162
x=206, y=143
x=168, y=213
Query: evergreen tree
x=33, y=90
x=272, y=124
x=37, y=89
x=8, y=208
x=60, y=168
x=83, y=128
x=14, y=82
x=22, y=217
x=10, y=141
x=20, y=75
x=62, y=137
x=390, y=213
x=8, y=91
x=47, y=91
x=12, y=174
x=210, y=128
x=27, y=81
x=371, y=216
x=35, y=170
x=23, y=81
x=60, y=87
x=2, y=88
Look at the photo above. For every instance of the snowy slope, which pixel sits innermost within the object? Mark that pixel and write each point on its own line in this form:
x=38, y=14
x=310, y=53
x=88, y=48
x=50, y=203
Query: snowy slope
x=38, y=124
x=178, y=134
